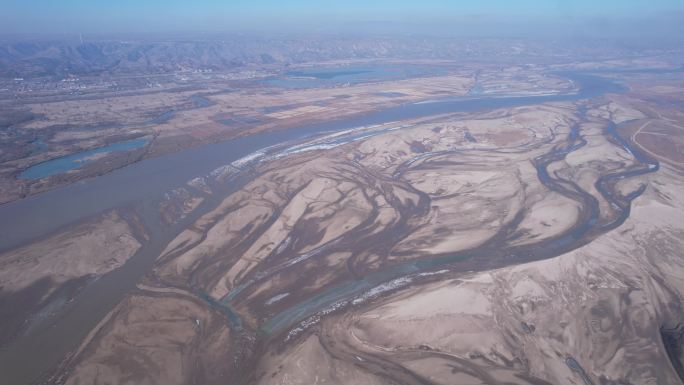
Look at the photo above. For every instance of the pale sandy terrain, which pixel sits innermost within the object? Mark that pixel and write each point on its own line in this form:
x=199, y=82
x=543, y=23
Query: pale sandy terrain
x=36, y=279
x=120, y=109
x=164, y=339
x=326, y=194
x=88, y=249
x=602, y=304
x=481, y=248
x=589, y=316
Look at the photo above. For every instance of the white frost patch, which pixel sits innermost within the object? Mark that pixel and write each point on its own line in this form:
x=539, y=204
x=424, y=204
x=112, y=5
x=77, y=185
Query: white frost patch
x=429, y=273
x=276, y=298
x=223, y=171
x=373, y=292
x=392, y=285
x=322, y=146
x=283, y=245
x=385, y=287
x=314, y=319
x=199, y=183
x=248, y=159
x=309, y=254
x=336, y=139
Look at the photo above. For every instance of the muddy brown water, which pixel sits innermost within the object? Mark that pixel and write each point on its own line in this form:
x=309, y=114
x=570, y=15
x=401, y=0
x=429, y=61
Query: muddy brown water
x=41, y=214
x=144, y=183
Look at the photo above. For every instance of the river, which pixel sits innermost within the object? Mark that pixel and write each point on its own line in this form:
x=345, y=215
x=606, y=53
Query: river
x=38, y=215
x=145, y=182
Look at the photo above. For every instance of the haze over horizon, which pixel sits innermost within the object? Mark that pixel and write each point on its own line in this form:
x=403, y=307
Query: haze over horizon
x=612, y=19
x=376, y=192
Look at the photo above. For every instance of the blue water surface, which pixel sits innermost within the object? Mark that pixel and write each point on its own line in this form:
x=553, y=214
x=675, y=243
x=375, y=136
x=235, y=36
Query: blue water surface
x=352, y=74
x=78, y=160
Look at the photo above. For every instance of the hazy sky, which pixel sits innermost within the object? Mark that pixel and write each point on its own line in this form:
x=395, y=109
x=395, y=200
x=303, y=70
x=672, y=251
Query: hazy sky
x=459, y=17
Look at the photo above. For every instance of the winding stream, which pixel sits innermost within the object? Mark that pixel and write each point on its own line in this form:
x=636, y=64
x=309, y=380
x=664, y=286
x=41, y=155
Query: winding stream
x=496, y=251
x=24, y=359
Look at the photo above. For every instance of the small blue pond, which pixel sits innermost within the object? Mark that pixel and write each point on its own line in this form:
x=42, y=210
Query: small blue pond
x=353, y=74
x=78, y=160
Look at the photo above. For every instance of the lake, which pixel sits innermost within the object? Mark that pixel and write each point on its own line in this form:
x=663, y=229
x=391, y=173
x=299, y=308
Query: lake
x=75, y=161
x=351, y=74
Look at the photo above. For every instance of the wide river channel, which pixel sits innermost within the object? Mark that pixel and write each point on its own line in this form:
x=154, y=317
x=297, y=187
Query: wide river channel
x=23, y=360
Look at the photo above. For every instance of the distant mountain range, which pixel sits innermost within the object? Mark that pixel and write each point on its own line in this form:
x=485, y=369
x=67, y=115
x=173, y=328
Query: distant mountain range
x=39, y=58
